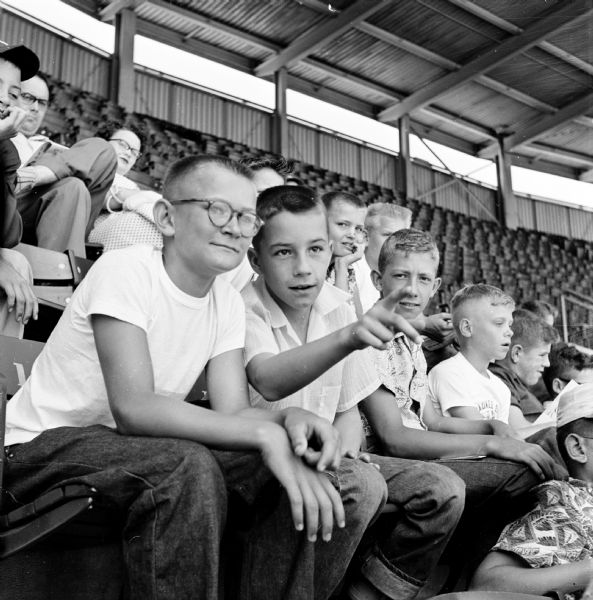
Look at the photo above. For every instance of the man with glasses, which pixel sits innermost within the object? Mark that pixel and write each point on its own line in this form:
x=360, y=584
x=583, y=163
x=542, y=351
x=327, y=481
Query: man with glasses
x=60, y=191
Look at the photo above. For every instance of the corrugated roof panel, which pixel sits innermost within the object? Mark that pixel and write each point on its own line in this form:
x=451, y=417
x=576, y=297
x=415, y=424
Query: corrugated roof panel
x=539, y=75
x=520, y=14
x=572, y=137
x=439, y=26
x=481, y=105
x=373, y=59
x=576, y=38
x=281, y=21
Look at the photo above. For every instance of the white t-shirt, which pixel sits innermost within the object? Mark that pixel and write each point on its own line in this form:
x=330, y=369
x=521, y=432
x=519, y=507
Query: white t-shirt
x=66, y=386
x=342, y=386
x=456, y=382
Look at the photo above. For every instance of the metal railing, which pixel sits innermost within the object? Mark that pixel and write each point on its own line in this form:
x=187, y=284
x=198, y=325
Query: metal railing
x=581, y=334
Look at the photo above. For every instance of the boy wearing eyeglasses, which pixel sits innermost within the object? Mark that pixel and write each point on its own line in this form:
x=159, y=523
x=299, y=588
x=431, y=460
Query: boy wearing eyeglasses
x=105, y=406
x=60, y=191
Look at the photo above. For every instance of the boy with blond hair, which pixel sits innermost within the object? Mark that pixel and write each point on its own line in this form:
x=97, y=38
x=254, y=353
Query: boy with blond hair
x=303, y=350
x=497, y=471
x=463, y=386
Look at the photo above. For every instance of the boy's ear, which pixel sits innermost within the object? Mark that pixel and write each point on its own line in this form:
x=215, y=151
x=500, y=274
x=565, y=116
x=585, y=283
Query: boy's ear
x=377, y=280
x=435, y=286
x=254, y=260
x=515, y=353
x=465, y=327
x=557, y=385
x=164, y=217
x=575, y=448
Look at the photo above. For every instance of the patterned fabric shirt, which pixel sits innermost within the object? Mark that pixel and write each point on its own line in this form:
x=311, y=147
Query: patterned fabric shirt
x=558, y=531
x=402, y=370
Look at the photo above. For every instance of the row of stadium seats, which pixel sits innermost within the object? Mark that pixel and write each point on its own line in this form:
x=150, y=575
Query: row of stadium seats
x=527, y=264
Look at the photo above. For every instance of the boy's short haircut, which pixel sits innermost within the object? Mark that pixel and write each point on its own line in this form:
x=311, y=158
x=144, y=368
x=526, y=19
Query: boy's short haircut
x=563, y=358
x=285, y=198
x=529, y=330
x=478, y=291
x=330, y=197
x=540, y=308
x=278, y=164
x=189, y=164
x=387, y=209
x=407, y=241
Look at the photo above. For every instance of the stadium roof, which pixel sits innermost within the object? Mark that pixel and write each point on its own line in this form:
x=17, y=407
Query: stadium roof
x=467, y=72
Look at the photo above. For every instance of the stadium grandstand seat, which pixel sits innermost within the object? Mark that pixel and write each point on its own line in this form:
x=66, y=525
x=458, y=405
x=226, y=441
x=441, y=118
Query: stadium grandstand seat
x=527, y=264
x=61, y=543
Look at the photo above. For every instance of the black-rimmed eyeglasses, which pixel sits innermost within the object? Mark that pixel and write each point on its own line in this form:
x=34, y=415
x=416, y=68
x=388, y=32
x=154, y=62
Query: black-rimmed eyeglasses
x=135, y=152
x=29, y=99
x=221, y=213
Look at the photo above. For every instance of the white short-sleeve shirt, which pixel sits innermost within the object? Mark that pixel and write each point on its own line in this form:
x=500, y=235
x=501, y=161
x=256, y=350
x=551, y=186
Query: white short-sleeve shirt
x=66, y=386
x=456, y=382
x=268, y=332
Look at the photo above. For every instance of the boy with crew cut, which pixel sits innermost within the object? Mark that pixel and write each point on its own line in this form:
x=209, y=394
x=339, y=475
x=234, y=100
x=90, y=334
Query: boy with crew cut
x=496, y=470
x=524, y=364
x=462, y=386
x=104, y=405
x=303, y=349
x=550, y=549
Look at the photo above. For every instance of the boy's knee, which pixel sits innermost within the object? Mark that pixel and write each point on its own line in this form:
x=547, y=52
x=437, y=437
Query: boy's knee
x=364, y=484
x=441, y=489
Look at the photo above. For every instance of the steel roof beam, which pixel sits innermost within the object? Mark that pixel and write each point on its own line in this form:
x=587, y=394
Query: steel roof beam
x=567, y=13
x=535, y=129
x=321, y=35
x=505, y=25
x=108, y=12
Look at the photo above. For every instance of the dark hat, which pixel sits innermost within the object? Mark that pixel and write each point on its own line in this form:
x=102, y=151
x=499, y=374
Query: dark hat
x=22, y=57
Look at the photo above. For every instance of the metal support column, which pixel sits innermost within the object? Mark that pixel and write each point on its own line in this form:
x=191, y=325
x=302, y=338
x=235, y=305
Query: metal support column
x=280, y=119
x=507, y=210
x=122, y=66
x=403, y=174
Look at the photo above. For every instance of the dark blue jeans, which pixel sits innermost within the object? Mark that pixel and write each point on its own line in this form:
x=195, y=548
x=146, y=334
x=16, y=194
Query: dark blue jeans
x=430, y=500
x=175, y=493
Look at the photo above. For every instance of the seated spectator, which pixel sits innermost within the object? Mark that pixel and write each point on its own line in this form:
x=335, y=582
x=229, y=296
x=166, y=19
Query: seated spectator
x=524, y=364
x=550, y=549
x=60, y=191
x=544, y=310
x=548, y=313
x=104, y=406
x=382, y=219
x=17, y=300
x=301, y=351
x=346, y=214
x=129, y=219
x=567, y=363
x=463, y=386
x=497, y=471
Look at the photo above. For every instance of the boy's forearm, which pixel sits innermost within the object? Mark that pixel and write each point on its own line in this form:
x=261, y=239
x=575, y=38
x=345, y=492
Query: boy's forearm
x=456, y=425
x=160, y=416
x=349, y=426
x=283, y=374
x=523, y=579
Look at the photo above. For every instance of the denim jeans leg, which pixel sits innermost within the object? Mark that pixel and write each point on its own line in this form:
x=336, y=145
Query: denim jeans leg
x=172, y=490
x=278, y=562
x=497, y=492
x=430, y=499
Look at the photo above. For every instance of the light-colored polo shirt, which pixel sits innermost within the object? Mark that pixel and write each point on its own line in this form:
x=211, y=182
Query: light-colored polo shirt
x=268, y=332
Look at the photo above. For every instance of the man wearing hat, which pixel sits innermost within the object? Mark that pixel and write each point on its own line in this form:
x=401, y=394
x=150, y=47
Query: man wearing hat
x=551, y=547
x=17, y=300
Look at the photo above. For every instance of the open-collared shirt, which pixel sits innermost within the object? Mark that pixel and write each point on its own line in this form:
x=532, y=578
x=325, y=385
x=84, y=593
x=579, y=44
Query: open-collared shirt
x=269, y=332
